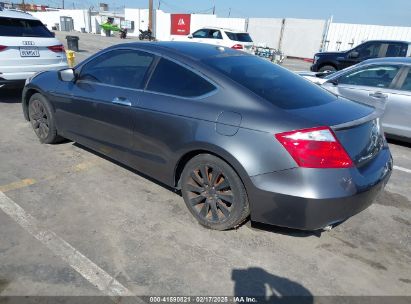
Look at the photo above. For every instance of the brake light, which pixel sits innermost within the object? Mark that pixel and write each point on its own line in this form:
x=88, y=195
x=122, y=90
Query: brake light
x=56, y=48
x=315, y=148
x=2, y=48
x=237, y=46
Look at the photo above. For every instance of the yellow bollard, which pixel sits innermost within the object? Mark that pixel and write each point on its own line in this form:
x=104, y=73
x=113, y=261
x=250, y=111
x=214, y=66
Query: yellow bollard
x=71, y=56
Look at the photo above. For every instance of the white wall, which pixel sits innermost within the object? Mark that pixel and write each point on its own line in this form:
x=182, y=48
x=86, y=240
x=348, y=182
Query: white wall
x=140, y=18
x=344, y=36
x=265, y=31
x=80, y=18
x=302, y=37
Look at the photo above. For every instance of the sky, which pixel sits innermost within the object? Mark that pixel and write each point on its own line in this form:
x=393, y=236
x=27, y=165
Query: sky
x=381, y=12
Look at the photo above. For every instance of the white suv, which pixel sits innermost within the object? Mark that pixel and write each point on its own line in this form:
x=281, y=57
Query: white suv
x=26, y=47
x=225, y=37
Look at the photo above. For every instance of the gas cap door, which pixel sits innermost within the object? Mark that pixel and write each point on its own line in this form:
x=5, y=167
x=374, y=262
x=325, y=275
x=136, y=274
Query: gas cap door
x=228, y=123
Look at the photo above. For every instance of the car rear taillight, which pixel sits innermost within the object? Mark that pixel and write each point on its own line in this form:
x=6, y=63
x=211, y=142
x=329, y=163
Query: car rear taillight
x=237, y=46
x=2, y=48
x=56, y=48
x=315, y=148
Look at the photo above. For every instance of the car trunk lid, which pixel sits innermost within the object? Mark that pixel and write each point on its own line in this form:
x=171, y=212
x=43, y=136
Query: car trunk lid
x=356, y=126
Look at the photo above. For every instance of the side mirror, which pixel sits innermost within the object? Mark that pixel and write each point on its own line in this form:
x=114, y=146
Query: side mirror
x=190, y=36
x=67, y=75
x=353, y=55
x=334, y=81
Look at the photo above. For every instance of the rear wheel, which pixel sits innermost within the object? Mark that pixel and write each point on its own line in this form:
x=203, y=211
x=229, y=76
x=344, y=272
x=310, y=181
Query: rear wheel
x=214, y=193
x=327, y=68
x=42, y=119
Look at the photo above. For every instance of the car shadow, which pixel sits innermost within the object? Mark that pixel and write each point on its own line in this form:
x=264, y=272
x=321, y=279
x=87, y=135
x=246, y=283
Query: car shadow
x=284, y=230
x=255, y=282
x=10, y=95
x=399, y=142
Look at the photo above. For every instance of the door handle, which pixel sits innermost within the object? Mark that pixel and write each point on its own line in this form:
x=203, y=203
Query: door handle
x=379, y=95
x=122, y=101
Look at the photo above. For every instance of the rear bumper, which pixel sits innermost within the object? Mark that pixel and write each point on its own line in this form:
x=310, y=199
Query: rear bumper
x=24, y=72
x=11, y=83
x=311, y=199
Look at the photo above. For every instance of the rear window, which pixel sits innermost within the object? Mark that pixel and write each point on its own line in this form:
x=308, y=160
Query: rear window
x=280, y=87
x=14, y=27
x=242, y=37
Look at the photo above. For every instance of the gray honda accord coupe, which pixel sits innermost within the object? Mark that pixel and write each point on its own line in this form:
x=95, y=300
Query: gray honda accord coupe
x=236, y=134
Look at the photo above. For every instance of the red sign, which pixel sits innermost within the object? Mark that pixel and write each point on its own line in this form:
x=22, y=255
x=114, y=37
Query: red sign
x=180, y=24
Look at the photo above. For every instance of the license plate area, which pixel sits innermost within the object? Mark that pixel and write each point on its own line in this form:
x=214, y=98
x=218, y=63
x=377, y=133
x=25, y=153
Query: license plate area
x=29, y=51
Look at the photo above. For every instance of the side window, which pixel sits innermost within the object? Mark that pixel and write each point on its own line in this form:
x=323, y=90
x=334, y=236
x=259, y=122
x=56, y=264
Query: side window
x=123, y=68
x=376, y=76
x=203, y=33
x=396, y=50
x=215, y=34
x=171, y=78
x=406, y=86
x=369, y=50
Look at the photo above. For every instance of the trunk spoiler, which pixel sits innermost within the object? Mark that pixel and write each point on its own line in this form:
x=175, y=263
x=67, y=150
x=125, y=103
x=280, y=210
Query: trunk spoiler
x=377, y=113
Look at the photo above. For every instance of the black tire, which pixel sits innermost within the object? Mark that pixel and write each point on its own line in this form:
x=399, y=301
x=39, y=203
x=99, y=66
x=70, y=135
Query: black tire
x=220, y=201
x=41, y=118
x=327, y=68
x=141, y=37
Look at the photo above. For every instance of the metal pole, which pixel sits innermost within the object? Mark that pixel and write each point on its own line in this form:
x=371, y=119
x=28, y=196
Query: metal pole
x=150, y=15
x=63, y=4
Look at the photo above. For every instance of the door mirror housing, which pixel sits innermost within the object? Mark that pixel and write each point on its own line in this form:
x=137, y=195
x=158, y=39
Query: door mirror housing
x=67, y=75
x=333, y=81
x=353, y=55
x=190, y=36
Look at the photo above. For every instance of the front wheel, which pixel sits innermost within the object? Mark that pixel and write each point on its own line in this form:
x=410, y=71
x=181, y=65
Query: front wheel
x=214, y=193
x=42, y=119
x=327, y=68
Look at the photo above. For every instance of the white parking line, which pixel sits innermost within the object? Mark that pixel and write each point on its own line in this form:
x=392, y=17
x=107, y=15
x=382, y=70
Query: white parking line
x=402, y=169
x=86, y=268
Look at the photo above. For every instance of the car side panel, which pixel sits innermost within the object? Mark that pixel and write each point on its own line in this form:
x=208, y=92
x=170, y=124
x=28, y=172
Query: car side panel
x=397, y=116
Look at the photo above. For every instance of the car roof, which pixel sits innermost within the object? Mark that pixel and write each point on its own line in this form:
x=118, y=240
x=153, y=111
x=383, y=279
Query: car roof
x=395, y=60
x=193, y=50
x=389, y=41
x=221, y=29
x=16, y=14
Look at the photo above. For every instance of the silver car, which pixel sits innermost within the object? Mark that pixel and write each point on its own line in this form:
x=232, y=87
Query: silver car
x=384, y=83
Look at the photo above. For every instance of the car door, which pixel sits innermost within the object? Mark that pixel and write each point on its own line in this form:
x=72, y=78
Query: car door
x=174, y=97
x=362, y=52
x=200, y=36
x=369, y=84
x=215, y=37
x=397, y=116
x=99, y=109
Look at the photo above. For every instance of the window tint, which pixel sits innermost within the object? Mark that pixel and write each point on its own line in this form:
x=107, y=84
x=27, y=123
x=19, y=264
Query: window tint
x=242, y=37
x=171, y=78
x=215, y=34
x=406, y=86
x=376, y=76
x=396, y=50
x=13, y=27
x=369, y=50
x=124, y=68
x=200, y=34
x=282, y=88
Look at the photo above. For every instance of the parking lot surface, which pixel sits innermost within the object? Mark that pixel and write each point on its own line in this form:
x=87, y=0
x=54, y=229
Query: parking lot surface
x=75, y=223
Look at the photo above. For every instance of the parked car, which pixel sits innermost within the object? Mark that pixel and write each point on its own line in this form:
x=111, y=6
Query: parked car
x=333, y=61
x=224, y=37
x=26, y=47
x=234, y=132
x=384, y=83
